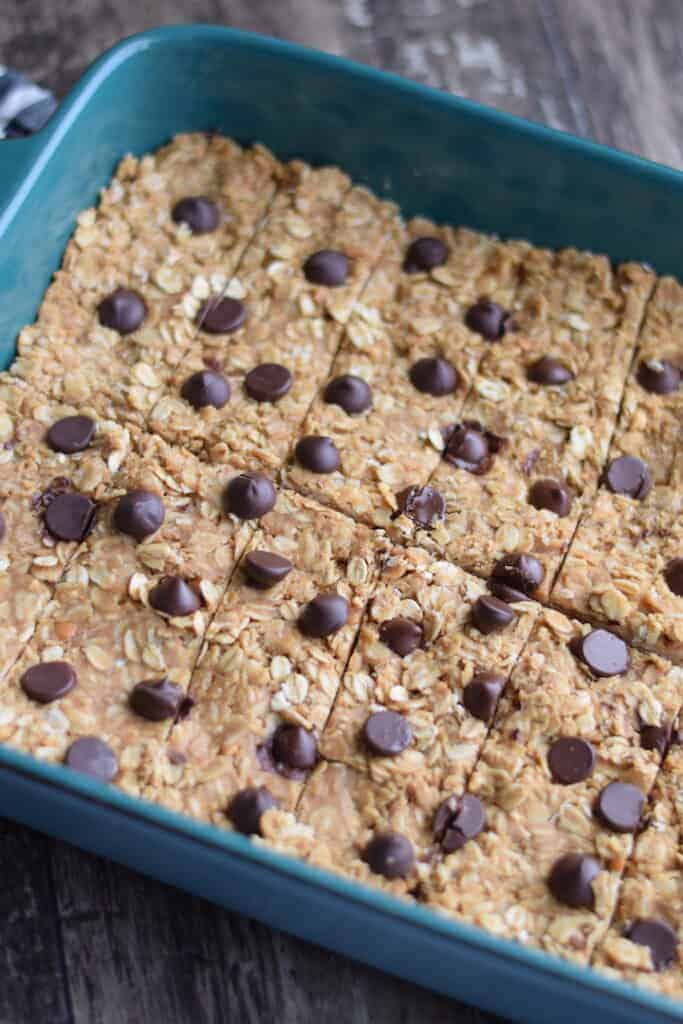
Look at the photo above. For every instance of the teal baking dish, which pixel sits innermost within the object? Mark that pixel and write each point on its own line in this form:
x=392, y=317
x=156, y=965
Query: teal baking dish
x=433, y=154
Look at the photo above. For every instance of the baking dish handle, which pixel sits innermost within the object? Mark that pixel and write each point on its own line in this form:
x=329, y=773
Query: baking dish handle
x=17, y=157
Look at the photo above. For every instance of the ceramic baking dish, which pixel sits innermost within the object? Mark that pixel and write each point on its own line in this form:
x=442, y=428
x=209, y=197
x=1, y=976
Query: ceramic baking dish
x=434, y=154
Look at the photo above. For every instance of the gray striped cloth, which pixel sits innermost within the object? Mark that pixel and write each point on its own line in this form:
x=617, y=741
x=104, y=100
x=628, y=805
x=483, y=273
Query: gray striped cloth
x=24, y=107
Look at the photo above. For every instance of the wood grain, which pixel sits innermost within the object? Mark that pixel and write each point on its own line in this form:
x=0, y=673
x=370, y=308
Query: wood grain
x=85, y=941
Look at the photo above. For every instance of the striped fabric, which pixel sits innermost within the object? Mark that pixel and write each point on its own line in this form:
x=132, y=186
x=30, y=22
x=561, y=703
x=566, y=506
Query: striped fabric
x=24, y=107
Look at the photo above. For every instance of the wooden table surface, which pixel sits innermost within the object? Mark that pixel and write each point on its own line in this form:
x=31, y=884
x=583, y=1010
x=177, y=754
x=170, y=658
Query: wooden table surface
x=83, y=940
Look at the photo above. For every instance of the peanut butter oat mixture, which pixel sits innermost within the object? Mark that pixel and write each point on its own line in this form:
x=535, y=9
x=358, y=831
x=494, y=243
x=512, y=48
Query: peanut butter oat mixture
x=290, y=493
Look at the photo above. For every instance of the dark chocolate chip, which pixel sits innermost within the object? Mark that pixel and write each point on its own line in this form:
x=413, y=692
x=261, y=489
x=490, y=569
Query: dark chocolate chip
x=295, y=747
x=139, y=513
x=175, y=597
x=390, y=854
x=206, y=388
x=387, y=733
x=549, y=371
x=488, y=319
x=490, y=614
x=550, y=495
x=424, y=254
x=604, y=653
x=317, y=454
x=70, y=516
x=571, y=760
x=157, y=699
x=94, y=757
x=122, y=311
x=468, y=448
x=660, y=377
x=71, y=434
x=324, y=615
x=268, y=382
x=352, y=394
x=198, y=212
x=328, y=267
x=48, y=681
x=434, y=376
x=630, y=476
x=480, y=696
x=571, y=878
x=516, y=577
x=249, y=496
x=655, y=737
x=659, y=937
x=248, y=807
x=620, y=806
x=402, y=636
x=264, y=568
x=458, y=819
x=673, y=574
x=424, y=505
x=222, y=316
x=3, y=527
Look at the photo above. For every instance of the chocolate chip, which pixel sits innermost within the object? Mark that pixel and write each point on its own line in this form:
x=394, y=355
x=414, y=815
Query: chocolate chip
x=480, y=696
x=294, y=747
x=221, y=316
x=550, y=495
x=630, y=476
x=658, y=936
x=403, y=636
x=604, y=653
x=48, y=681
x=620, y=806
x=470, y=447
x=249, y=496
x=673, y=574
x=390, y=854
x=3, y=527
x=175, y=597
x=549, y=371
x=328, y=267
x=71, y=434
x=158, y=699
x=516, y=577
x=248, y=807
x=206, y=388
x=324, y=615
x=268, y=382
x=198, y=212
x=265, y=569
x=458, y=819
x=94, y=757
x=490, y=615
x=70, y=516
x=655, y=737
x=424, y=254
x=571, y=760
x=352, y=394
x=317, y=454
x=387, y=733
x=139, y=513
x=424, y=505
x=434, y=376
x=571, y=878
x=488, y=319
x=122, y=311
x=659, y=376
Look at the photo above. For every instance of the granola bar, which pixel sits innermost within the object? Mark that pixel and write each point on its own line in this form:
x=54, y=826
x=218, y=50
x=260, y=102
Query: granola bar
x=563, y=778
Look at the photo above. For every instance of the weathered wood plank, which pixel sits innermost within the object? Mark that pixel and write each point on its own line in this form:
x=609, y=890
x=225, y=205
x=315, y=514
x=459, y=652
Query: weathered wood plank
x=33, y=985
x=138, y=952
